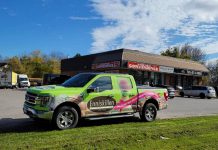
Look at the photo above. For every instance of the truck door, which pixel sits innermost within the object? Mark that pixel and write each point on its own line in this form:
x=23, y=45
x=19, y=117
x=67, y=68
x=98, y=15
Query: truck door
x=100, y=97
x=127, y=98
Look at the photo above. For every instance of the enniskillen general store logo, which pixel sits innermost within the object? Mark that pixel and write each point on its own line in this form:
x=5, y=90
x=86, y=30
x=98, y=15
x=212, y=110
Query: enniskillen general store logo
x=101, y=104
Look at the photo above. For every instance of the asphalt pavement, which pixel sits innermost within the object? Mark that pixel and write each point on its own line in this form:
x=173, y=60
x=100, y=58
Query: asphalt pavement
x=12, y=118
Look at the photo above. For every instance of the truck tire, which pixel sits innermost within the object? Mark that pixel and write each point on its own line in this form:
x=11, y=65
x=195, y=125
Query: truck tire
x=65, y=117
x=202, y=96
x=149, y=112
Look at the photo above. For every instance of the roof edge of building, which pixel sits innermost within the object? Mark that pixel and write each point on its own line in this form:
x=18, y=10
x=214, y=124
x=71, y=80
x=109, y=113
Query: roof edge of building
x=99, y=53
x=172, y=58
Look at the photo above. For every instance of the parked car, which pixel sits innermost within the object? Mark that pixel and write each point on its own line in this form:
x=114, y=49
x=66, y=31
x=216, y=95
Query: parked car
x=216, y=88
x=93, y=95
x=199, y=91
x=170, y=90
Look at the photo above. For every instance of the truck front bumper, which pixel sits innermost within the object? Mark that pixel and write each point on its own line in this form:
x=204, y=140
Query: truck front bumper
x=32, y=113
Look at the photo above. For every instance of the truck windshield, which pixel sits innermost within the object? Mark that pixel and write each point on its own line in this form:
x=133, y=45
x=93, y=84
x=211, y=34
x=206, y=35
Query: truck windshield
x=23, y=79
x=79, y=80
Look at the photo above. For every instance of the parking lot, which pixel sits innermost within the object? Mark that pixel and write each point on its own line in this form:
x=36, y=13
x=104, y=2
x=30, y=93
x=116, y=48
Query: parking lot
x=11, y=114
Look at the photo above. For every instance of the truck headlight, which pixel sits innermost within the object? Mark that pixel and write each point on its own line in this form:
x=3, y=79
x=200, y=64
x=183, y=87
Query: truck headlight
x=44, y=100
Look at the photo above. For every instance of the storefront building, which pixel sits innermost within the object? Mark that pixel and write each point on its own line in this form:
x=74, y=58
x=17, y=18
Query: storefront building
x=145, y=67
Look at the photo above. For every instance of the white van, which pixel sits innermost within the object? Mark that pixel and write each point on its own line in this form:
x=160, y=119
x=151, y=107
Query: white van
x=199, y=91
x=23, y=80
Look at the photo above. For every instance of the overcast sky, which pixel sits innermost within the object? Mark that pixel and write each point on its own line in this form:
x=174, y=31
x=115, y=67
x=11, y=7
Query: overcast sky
x=90, y=26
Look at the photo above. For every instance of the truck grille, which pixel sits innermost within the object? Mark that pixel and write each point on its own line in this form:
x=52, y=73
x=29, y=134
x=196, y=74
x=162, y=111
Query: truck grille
x=31, y=98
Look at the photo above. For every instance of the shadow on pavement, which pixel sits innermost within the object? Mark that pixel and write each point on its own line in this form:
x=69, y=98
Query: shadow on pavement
x=9, y=125
x=23, y=125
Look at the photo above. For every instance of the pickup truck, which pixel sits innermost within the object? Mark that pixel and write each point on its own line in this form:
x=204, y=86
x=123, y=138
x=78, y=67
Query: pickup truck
x=88, y=95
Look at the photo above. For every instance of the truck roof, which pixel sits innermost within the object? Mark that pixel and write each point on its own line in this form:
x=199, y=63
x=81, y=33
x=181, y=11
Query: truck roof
x=103, y=73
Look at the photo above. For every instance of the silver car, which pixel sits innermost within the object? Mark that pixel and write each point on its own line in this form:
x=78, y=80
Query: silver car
x=199, y=91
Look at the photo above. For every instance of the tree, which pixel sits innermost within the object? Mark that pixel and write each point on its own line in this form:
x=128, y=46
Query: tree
x=36, y=64
x=185, y=52
x=172, y=52
x=213, y=76
x=16, y=65
x=77, y=55
x=57, y=55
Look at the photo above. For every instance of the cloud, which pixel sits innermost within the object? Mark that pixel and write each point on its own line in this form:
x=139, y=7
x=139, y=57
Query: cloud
x=83, y=18
x=152, y=25
x=9, y=11
x=211, y=47
x=211, y=61
x=203, y=10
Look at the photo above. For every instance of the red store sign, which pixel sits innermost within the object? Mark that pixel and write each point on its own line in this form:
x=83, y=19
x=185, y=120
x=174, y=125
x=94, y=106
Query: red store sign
x=141, y=66
x=113, y=64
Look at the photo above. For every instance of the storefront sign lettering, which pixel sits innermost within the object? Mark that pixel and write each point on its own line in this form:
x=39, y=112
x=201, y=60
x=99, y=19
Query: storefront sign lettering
x=141, y=66
x=166, y=69
x=189, y=72
x=113, y=64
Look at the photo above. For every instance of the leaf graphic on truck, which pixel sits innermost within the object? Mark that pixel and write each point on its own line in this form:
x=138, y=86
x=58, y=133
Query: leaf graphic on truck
x=122, y=104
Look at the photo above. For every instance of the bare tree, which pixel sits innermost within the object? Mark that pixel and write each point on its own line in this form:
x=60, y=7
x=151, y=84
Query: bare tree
x=193, y=53
x=213, y=77
x=186, y=51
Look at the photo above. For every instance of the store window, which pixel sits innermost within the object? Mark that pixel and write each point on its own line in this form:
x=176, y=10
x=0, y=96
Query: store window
x=157, y=79
x=138, y=75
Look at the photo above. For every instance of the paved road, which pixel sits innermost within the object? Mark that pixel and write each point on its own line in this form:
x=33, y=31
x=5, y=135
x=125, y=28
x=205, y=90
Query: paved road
x=182, y=107
x=11, y=103
x=12, y=117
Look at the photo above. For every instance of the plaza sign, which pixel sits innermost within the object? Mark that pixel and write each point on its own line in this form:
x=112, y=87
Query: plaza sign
x=149, y=67
x=142, y=66
x=166, y=69
x=113, y=64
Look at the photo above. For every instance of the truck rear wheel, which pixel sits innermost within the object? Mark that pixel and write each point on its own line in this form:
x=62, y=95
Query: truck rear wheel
x=149, y=112
x=65, y=117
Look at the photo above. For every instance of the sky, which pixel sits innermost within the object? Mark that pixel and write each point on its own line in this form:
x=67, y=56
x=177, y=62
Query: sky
x=91, y=26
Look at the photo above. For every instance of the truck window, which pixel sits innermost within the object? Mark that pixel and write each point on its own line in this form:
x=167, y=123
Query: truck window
x=124, y=83
x=195, y=88
x=79, y=80
x=103, y=83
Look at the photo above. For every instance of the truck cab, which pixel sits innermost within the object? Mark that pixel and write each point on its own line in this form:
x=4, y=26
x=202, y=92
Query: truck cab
x=89, y=95
x=23, y=80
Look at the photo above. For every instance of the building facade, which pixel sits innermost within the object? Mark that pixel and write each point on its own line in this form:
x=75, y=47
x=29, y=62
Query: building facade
x=145, y=67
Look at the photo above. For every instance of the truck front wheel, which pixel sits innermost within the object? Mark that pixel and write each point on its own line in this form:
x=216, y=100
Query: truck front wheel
x=149, y=112
x=65, y=117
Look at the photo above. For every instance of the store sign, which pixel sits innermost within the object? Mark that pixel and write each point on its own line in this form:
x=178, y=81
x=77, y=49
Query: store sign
x=189, y=72
x=141, y=66
x=194, y=72
x=113, y=64
x=166, y=69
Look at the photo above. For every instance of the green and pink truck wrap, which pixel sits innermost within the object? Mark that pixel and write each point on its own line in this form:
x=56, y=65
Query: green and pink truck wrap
x=93, y=95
